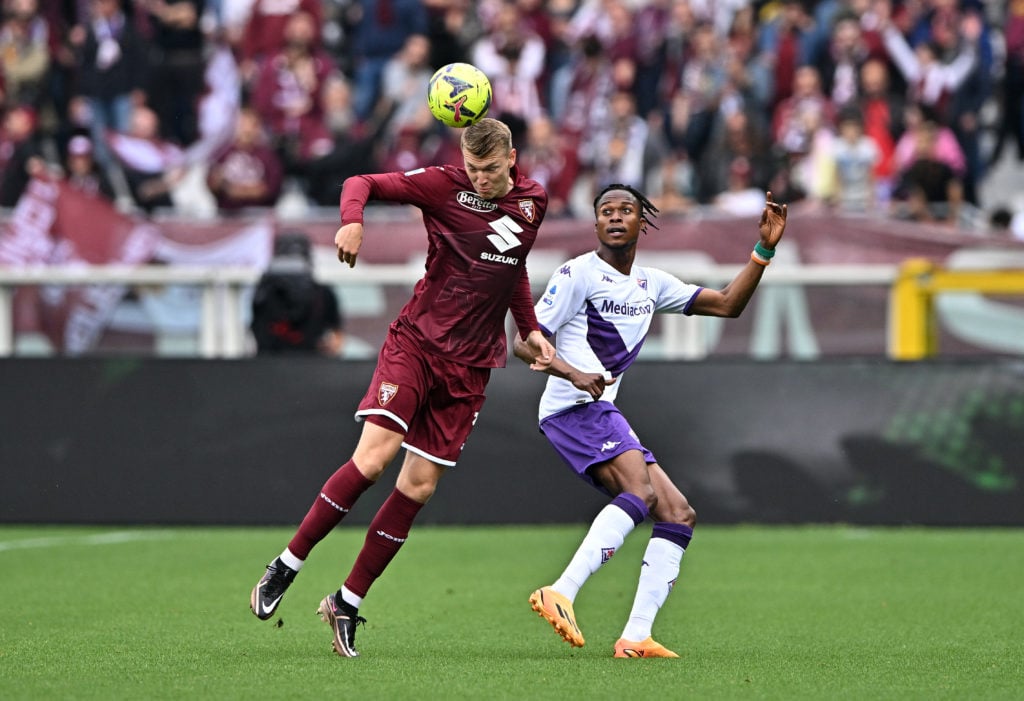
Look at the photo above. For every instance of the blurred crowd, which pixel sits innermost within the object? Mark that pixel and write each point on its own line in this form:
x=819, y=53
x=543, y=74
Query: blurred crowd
x=858, y=105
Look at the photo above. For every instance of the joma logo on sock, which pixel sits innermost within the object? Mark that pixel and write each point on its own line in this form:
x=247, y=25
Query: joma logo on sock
x=382, y=534
x=337, y=506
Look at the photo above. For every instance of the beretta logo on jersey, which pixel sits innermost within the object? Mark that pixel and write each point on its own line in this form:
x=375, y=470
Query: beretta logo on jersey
x=471, y=200
x=528, y=210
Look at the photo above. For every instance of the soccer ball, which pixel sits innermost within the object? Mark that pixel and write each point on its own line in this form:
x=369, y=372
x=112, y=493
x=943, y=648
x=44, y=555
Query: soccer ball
x=459, y=94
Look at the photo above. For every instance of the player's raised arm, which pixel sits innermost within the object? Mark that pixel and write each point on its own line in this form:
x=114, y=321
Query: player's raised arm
x=732, y=299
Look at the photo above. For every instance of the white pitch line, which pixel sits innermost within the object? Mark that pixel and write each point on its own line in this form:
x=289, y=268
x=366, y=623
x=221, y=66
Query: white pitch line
x=111, y=538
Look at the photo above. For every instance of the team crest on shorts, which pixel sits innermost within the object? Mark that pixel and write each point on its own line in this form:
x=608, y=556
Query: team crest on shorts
x=526, y=207
x=606, y=554
x=386, y=392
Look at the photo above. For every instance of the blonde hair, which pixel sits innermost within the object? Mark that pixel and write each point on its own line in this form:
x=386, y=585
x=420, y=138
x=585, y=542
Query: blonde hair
x=486, y=137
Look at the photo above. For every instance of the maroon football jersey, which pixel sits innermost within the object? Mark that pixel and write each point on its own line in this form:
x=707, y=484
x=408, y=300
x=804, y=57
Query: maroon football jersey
x=476, y=258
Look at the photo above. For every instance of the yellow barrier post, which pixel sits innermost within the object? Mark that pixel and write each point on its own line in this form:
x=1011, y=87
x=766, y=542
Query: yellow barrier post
x=912, y=333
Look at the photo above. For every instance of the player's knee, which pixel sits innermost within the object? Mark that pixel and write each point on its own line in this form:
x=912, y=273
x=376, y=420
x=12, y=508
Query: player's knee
x=649, y=496
x=680, y=512
x=419, y=491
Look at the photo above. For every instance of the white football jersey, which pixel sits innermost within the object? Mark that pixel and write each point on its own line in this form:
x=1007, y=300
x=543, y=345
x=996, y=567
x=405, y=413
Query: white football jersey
x=600, y=319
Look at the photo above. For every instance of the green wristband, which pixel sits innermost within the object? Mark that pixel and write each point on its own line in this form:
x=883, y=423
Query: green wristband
x=763, y=252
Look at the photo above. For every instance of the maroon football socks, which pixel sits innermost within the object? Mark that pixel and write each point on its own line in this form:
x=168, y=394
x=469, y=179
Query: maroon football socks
x=386, y=534
x=339, y=494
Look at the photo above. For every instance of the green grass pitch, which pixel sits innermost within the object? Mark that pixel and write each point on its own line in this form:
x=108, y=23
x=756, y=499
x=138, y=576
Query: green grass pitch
x=758, y=613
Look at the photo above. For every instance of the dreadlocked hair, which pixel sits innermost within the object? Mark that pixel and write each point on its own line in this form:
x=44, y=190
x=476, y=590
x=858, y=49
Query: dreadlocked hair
x=647, y=209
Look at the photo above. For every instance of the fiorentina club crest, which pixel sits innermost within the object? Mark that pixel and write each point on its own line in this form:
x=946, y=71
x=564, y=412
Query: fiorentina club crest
x=642, y=282
x=386, y=393
x=526, y=207
x=606, y=554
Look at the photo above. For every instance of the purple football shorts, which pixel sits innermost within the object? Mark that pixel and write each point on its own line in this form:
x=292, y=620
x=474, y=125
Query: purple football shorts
x=590, y=434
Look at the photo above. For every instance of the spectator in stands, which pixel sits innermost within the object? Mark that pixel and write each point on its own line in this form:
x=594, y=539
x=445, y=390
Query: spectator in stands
x=560, y=53
x=929, y=190
x=796, y=118
x=176, y=55
x=946, y=147
x=82, y=171
x=61, y=76
x=217, y=109
x=112, y=73
x=404, y=86
x=151, y=166
x=840, y=64
x=248, y=173
x=453, y=26
x=854, y=156
x=651, y=22
x=588, y=86
x=701, y=84
x=24, y=53
x=292, y=313
x=786, y=42
x=883, y=113
x=512, y=56
x=19, y=153
x=740, y=197
x=748, y=84
x=737, y=155
x=931, y=80
x=288, y=94
x=265, y=33
x=546, y=158
x=999, y=220
x=943, y=73
x=379, y=32
x=355, y=145
x=620, y=144
x=1011, y=93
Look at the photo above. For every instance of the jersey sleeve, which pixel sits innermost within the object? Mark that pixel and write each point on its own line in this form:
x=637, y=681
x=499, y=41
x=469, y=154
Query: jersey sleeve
x=563, y=298
x=521, y=306
x=423, y=187
x=673, y=295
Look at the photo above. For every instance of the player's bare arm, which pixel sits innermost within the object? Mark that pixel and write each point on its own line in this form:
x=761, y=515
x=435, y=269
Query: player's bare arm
x=348, y=241
x=540, y=349
x=593, y=383
x=732, y=299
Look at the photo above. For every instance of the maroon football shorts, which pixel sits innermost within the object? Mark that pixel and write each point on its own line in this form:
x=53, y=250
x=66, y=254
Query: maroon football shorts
x=433, y=400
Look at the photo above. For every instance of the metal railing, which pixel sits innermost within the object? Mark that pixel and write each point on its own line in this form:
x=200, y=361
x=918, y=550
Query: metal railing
x=913, y=326
x=222, y=332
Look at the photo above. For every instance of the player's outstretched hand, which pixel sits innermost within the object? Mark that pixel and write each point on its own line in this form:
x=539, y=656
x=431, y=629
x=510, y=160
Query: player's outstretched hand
x=348, y=240
x=541, y=349
x=773, y=221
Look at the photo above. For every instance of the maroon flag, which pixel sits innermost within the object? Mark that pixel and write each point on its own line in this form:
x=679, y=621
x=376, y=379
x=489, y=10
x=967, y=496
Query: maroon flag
x=54, y=224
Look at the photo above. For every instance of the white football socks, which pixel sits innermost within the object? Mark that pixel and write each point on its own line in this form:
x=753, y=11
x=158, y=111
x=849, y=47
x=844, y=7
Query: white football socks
x=350, y=597
x=658, y=574
x=290, y=560
x=608, y=530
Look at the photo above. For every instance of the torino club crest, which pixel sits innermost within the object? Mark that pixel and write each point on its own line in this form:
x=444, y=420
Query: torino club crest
x=386, y=392
x=526, y=207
